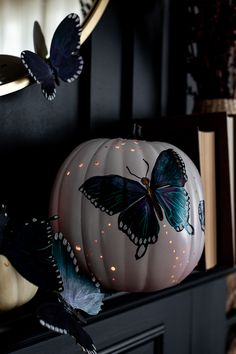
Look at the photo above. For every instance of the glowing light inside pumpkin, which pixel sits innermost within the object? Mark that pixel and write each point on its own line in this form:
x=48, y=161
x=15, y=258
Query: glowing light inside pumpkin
x=109, y=224
x=68, y=173
x=78, y=248
x=113, y=269
x=177, y=258
x=101, y=257
x=97, y=163
x=117, y=147
x=81, y=165
x=170, y=242
x=174, y=251
x=132, y=150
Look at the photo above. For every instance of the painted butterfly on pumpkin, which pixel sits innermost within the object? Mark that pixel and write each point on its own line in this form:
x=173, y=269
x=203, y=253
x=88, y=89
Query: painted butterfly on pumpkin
x=141, y=205
x=64, y=62
x=79, y=293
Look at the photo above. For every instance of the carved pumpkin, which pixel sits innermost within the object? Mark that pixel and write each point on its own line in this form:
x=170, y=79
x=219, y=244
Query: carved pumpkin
x=131, y=210
x=14, y=289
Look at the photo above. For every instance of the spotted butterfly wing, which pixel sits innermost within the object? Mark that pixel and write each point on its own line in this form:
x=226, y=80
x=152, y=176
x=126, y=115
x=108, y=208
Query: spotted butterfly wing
x=167, y=181
x=64, y=63
x=141, y=205
x=79, y=293
x=61, y=318
x=28, y=246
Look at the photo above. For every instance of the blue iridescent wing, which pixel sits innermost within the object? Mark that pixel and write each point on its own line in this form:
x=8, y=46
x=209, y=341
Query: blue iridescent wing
x=201, y=213
x=28, y=246
x=62, y=319
x=80, y=292
x=167, y=182
x=40, y=72
x=115, y=194
x=112, y=193
x=64, y=51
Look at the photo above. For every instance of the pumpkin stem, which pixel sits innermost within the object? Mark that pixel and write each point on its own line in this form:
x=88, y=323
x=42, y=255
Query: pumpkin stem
x=137, y=131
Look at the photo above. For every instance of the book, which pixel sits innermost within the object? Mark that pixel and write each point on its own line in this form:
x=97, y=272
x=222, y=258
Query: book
x=208, y=174
x=185, y=132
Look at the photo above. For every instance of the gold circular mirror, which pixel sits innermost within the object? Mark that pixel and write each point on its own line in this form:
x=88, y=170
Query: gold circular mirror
x=16, y=31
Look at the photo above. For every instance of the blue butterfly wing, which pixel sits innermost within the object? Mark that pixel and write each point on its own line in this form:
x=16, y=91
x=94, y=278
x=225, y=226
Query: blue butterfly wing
x=40, y=72
x=169, y=169
x=140, y=224
x=112, y=193
x=167, y=181
x=80, y=292
x=29, y=249
x=64, y=51
x=56, y=317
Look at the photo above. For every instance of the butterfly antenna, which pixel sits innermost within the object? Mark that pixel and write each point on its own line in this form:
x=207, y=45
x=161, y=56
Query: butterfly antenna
x=147, y=167
x=133, y=174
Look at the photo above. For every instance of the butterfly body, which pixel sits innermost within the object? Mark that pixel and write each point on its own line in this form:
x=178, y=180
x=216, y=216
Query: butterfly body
x=64, y=62
x=141, y=205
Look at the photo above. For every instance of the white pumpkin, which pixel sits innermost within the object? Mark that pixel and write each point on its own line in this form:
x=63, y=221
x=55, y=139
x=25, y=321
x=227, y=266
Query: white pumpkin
x=104, y=241
x=14, y=289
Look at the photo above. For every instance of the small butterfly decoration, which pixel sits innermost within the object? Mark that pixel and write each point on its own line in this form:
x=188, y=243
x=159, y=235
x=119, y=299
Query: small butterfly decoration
x=64, y=62
x=80, y=293
x=48, y=261
x=201, y=213
x=141, y=205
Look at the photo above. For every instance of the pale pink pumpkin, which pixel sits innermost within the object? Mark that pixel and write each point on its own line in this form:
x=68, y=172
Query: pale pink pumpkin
x=109, y=252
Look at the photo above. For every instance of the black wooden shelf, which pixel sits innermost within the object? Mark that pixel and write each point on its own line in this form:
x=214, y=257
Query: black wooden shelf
x=20, y=328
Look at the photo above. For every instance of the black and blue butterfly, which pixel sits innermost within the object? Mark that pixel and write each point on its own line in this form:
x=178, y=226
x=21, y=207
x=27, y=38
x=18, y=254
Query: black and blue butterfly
x=64, y=62
x=140, y=205
x=79, y=293
x=28, y=246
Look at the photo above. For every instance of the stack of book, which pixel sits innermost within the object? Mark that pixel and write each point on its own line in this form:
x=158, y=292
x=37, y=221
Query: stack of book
x=208, y=139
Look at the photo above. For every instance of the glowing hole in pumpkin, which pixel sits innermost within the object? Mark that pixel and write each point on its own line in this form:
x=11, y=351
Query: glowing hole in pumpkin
x=81, y=165
x=101, y=257
x=68, y=173
x=113, y=269
x=132, y=150
x=97, y=163
x=78, y=248
x=109, y=224
x=176, y=258
x=174, y=251
x=170, y=242
x=117, y=147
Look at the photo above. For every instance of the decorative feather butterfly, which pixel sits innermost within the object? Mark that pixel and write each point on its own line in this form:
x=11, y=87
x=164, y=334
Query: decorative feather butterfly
x=64, y=63
x=141, y=204
x=28, y=246
x=80, y=293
